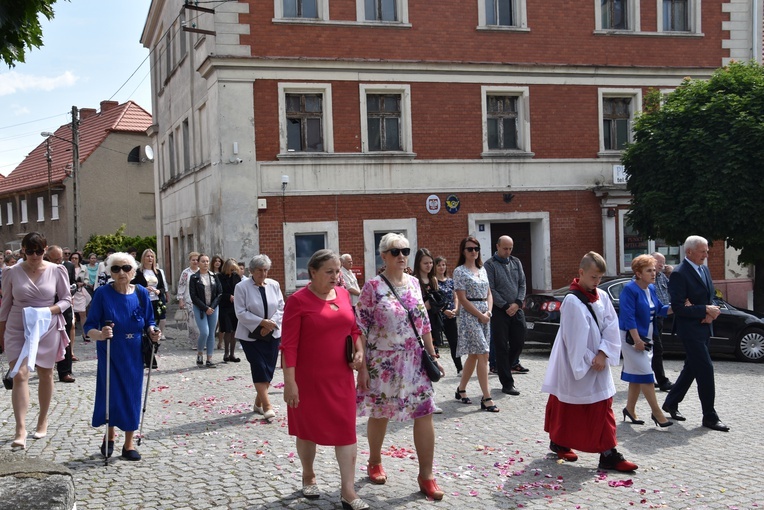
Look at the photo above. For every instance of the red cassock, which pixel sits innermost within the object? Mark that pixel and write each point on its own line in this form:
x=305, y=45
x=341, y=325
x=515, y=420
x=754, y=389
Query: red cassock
x=313, y=340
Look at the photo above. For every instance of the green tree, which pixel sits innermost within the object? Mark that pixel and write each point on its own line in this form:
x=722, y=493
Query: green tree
x=697, y=164
x=20, y=27
x=118, y=241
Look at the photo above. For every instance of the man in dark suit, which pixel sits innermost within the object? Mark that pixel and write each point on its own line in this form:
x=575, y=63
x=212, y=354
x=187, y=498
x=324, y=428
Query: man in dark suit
x=64, y=367
x=692, y=290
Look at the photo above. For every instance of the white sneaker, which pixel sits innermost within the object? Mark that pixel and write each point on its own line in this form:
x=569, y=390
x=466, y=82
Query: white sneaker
x=437, y=410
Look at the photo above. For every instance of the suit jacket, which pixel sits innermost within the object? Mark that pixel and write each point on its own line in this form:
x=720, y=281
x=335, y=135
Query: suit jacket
x=68, y=315
x=686, y=284
x=248, y=304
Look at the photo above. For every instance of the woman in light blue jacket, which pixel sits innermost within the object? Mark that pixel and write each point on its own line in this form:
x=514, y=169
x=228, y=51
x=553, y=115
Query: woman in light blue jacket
x=639, y=305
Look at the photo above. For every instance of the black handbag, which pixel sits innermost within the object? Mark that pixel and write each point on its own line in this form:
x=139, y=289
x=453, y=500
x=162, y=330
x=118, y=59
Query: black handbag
x=428, y=363
x=256, y=335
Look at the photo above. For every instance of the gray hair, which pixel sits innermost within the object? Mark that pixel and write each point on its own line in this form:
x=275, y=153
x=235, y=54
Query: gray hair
x=319, y=258
x=392, y=240
x=261, y=261
x=345, y=256
x=112, y=259
x=693, y=242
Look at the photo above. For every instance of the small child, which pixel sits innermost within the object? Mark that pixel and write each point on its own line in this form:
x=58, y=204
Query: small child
x=578, y=379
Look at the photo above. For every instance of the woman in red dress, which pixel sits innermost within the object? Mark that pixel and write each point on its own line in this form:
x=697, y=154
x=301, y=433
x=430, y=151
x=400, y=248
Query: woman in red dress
x=319, y=389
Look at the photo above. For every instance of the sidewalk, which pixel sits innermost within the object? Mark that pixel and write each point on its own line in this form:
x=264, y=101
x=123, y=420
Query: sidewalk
x=204, y=448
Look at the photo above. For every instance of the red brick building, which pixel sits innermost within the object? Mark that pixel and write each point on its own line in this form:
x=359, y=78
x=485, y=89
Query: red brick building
x=282, y=126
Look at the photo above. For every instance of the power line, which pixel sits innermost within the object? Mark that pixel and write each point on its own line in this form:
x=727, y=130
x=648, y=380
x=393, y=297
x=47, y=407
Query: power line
x=32, y=121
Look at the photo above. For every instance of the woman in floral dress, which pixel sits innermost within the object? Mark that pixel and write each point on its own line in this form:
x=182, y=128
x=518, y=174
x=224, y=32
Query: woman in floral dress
x=392, y=384
x=475, y=301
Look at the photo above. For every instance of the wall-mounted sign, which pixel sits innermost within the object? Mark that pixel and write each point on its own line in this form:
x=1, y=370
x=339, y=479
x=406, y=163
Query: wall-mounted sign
x=452, y=204
x=619, y=174
x=433, y=204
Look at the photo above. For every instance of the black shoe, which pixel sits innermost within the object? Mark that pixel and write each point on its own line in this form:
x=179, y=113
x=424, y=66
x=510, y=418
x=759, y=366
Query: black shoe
x=107, y=449
x=511, y=391
x=233, y=359
x=519, y=369
x=615, y=461
x=627, y=414
x=674, y=412
x=666, y=385
x=130, y=454
x=211, y=364
x=199, y=360
x=716, y=425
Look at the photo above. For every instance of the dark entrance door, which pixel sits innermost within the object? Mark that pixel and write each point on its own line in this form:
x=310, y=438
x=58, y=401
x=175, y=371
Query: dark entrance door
x=521, y=235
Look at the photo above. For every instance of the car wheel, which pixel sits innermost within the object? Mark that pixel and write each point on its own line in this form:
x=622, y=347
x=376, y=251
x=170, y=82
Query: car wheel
x=750, y=346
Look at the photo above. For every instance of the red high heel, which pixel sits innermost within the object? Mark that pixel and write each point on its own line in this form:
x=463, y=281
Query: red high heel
x=430, y=488
x=377, y=474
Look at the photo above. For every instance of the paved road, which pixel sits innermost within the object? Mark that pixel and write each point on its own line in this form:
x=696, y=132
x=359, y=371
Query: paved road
x=204, y=448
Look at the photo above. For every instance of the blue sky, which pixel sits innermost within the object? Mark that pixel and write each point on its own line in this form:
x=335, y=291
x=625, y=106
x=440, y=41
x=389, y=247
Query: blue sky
x=91, y=48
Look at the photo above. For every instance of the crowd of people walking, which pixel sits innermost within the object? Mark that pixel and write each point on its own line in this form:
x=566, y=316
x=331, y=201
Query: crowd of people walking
x=386, y=330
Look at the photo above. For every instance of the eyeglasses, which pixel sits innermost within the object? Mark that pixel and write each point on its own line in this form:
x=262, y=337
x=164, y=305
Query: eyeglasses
x=473, y=248
x=397, y=251
x=126, y=268
x=67, y=253
x=29, y=252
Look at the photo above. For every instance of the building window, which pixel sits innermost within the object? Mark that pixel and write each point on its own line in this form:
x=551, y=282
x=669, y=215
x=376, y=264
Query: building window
x=614, y=15
x=305, y=118
x=505, y=120
x=171, y=153
x=134, y=156
x=186, y=146
x=24, y=216
x=383, y=122
x=633, y=244
x=54, y=207
x=40, y=209
x=502, y=14
x=682, y=16
x=382, y=11
x=617, y=109
x=386, y=118
x=182, y=35
x=9, y=213
x=300, y=8
x=301, y=241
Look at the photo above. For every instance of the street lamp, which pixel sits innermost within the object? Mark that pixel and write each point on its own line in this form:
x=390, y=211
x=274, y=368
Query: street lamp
x=75, y=175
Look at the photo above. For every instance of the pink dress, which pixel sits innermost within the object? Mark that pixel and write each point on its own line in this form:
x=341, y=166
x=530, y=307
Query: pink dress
x=313, y=339
x=19, y=292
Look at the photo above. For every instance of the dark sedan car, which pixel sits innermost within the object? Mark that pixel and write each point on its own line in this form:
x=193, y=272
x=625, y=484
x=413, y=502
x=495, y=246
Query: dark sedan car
x=736, y=331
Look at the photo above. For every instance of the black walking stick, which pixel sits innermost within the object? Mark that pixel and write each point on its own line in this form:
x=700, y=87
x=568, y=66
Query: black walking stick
x=110, y=324
x=154, y=348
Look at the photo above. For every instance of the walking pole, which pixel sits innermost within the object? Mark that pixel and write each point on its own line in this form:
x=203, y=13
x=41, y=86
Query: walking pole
x=146, y=395
x=108, y=369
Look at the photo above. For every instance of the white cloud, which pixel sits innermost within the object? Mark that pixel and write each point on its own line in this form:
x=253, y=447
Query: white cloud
x=20, y=110
x=13, y=82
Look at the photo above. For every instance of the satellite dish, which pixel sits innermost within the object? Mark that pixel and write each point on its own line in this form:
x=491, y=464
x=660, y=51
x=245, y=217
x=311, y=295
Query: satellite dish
x=149, y=152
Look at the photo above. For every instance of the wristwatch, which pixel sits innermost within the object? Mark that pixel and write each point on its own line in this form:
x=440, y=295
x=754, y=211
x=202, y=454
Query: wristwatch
x=490, y=313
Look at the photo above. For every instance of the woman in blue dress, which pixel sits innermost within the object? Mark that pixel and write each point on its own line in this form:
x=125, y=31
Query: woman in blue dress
x=129, y=308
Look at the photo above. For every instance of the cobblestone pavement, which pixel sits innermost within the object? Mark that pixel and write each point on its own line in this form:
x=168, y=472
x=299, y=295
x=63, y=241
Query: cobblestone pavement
x=204, y=448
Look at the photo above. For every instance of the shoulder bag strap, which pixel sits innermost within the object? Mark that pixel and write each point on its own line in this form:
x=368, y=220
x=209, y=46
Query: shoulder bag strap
x=408, y=312
x=580, y=295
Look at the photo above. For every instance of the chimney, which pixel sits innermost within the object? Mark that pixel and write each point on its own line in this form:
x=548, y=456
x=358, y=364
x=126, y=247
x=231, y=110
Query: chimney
x=108, y=105
x=86, y=113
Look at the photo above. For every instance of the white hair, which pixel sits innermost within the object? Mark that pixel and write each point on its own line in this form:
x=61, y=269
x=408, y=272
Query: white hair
x=693, y=242
x=345, y=257
x=120, y=256
x=392, y=240
x=261, y=261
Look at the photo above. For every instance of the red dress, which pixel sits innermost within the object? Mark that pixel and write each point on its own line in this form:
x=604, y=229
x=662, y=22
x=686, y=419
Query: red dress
x=313, y=341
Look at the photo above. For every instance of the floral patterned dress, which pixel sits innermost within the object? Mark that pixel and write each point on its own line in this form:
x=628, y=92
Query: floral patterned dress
x=399, y=389
x=474, y=337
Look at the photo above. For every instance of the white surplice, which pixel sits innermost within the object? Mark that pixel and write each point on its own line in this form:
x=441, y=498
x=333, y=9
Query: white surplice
x=569, y=375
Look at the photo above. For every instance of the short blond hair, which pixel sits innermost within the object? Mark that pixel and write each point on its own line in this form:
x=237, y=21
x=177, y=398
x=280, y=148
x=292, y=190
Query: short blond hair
x=593, y=259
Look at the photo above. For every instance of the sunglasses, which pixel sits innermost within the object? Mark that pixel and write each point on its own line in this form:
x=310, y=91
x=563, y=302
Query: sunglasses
x=397, y=251
x=126, y=268
x=29, y=252
x=472, y=248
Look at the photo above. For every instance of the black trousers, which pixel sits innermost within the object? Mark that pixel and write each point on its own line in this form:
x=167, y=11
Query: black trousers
x=698, y=367
x=64, y=367
x=452, y=335
x=657, y=363
x=508, y=334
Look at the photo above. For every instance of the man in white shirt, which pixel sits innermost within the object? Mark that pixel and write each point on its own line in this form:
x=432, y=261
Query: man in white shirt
x=351, y=282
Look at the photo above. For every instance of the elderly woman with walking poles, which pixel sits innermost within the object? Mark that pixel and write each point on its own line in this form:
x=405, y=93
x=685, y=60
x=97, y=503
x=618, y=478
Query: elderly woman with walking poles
x=119, y=313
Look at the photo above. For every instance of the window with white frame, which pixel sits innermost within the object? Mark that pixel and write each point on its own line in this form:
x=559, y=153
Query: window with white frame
x=301, y=241
x=23, y=207
x=617, y=108
x=374, y=230
x=505, y=120
x=40, y=209
x=502, y=14
x=386, y=118
x=382, y=11
x=632, y=244
x=54, y=207
x=305, y=118
x=9, y=213
x=309, y=10
x=679, y=16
